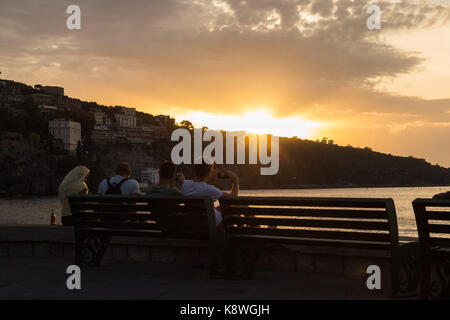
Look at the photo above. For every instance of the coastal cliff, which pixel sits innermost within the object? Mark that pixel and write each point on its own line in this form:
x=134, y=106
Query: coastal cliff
x=34, y=162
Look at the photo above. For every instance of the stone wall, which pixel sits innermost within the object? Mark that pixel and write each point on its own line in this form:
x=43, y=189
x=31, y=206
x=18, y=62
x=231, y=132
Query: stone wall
x=59, y=241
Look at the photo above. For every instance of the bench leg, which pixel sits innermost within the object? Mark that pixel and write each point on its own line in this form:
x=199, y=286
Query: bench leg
x=90, y=248
x=409, y=272
x=395, y=272
x=241, y=258
x=436, y=279
x=216, y=256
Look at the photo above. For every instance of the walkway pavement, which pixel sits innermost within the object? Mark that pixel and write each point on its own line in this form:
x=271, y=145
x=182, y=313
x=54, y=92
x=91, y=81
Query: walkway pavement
x=45, y=278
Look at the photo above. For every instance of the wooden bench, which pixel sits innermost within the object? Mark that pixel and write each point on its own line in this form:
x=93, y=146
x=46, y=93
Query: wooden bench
x=98, y=218
x=325, y=222
x=433, y=226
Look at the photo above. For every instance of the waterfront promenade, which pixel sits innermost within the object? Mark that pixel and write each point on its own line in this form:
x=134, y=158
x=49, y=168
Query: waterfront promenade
x=45, y=278
x=34, y=259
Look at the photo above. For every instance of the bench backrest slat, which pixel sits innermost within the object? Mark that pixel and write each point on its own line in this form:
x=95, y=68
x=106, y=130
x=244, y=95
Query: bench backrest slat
x=370, y=222
x=432, y=219
x=175, y=217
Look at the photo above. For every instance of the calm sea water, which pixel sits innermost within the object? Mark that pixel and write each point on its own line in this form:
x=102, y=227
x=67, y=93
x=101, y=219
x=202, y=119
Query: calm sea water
x=38, y=210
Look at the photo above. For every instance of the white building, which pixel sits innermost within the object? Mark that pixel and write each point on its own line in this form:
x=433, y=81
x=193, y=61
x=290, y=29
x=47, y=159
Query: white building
x=125, y=117
x=150, y=176
x=47, y=109
x=67, y=131
x=102, y=119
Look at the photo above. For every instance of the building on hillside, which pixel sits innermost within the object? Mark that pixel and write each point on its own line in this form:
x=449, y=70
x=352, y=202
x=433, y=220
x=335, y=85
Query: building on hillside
x=47, y=109
x=150, y=176
x=43, y=99
x=165, y=120
x=102, y=119
x=125, y=117
x=139, y=135
x=67, y=131
x=160, y=132
x=52, y=95
x=69, y=104
x=52, y=90
x=102, y=135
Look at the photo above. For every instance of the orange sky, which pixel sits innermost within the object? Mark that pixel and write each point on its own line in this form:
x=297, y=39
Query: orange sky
x=305, y=68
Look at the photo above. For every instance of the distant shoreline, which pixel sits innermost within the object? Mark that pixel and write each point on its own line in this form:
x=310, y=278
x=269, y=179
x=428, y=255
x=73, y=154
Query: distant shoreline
x=352, y=187
x=30, y=197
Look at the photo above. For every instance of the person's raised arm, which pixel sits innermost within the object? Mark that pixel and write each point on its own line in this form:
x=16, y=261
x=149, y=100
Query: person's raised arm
x=179, y=180
x=234, y=184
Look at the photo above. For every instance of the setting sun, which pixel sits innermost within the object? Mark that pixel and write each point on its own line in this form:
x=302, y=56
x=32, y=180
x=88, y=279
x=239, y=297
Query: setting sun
x=256, y=121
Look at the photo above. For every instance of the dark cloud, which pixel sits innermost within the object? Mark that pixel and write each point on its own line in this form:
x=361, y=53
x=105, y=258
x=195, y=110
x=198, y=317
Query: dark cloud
x=298, y=56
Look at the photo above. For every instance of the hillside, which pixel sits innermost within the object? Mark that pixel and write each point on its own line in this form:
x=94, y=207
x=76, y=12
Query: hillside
x=32, y=162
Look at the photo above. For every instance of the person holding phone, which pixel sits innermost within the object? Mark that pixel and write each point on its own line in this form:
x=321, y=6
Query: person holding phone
x=170, y=181
x=202, y=185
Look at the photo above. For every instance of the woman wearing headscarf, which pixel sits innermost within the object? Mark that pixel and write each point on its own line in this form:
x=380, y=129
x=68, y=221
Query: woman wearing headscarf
x=72, y=184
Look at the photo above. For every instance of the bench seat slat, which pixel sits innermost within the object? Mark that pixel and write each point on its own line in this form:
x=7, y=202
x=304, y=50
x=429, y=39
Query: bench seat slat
x=439, y=228
x=310, y=212
x=144, y=222
x=151, y=225
x=123, y=207
x=377, y=245
x=109, y=209
x=301, y=201
x=335, y=224
x=432, y=202
x=438, y=215
x=146, y=233
x=302, y=233
x=118, y=199
x=105, y=216
x=83, y=216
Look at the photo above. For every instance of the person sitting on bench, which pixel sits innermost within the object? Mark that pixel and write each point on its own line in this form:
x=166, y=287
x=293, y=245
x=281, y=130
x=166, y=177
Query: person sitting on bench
x=205, y=176
x=72, y=184
x=170, y=181
x=121, y=183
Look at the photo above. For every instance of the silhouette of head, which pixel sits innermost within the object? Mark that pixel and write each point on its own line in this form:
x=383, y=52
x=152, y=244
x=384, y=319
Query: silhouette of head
x=203, y=170
x=123, y=169
x=167, y=171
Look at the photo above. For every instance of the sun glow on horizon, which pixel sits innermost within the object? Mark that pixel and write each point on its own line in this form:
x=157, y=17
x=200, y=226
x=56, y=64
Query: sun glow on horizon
x=258, y=121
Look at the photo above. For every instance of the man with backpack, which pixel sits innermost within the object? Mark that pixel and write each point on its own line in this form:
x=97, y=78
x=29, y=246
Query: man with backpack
x=121, y=183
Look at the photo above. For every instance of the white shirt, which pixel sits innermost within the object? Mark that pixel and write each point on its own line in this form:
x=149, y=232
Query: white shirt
x=128, y=187
x=194, y=188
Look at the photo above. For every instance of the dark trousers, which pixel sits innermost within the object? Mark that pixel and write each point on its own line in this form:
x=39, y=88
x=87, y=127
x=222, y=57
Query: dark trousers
x=67, y=220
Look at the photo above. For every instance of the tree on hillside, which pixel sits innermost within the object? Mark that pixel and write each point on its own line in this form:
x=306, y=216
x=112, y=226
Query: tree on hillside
x=187, y=125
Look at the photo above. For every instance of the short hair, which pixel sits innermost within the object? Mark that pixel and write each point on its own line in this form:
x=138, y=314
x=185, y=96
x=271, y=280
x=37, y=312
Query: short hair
x=167, y=170
x=123, y=167
x=202, y=169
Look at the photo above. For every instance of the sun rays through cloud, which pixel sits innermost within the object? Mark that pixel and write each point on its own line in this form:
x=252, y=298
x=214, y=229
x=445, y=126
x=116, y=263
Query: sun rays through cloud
x=258, y=121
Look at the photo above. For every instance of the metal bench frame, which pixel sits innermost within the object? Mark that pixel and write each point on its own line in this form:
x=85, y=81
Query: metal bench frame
x=373, y=225
x=98, y=218
x=434, y=249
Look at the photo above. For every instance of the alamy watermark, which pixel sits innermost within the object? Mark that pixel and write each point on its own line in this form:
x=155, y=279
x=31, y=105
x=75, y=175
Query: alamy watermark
x=374, y=280
x=73, y=21
x=214, y=151
x=374, y=20
x=74, y=280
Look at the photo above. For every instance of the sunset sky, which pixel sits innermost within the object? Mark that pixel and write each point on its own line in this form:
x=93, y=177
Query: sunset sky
x=306, y=68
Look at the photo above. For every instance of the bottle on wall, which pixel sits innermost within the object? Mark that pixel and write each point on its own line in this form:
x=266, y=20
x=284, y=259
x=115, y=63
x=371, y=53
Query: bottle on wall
x=53, y=218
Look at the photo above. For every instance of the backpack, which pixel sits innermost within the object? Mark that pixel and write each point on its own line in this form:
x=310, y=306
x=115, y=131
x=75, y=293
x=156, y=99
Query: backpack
x=114, y=188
